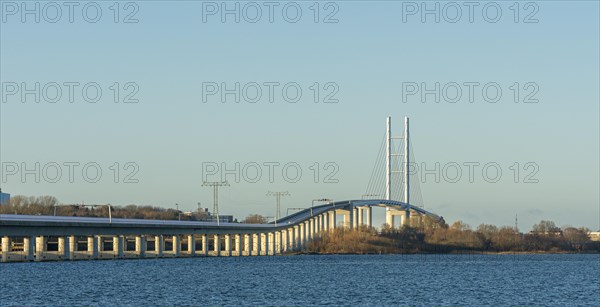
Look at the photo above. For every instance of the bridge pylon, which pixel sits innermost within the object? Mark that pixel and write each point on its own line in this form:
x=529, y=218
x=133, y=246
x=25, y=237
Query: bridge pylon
x=389, y=154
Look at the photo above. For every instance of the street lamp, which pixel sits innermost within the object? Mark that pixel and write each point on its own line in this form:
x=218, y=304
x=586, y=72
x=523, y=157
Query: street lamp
x=178, y=212
x=313, y=203
x=369, y=195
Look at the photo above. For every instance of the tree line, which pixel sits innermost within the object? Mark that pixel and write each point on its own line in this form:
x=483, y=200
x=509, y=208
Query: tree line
x=433, y=237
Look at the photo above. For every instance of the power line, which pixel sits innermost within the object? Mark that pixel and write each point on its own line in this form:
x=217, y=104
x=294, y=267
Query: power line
x=278, y=198
x=215, y=185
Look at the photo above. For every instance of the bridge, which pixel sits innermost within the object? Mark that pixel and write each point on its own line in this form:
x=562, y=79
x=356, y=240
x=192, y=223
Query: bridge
x=46, y=238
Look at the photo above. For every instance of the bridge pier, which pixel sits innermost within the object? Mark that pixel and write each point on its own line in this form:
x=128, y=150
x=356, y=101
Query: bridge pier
x=92, y=247
x=158, y=245
x=247, y=245
x=28, y=248
x=140, y=246
x=40, y=248
x=118, y=246
x=238, y=244
x=256, y=244
x=359, y=212
x=332, y=219
x=6, y=248
x=228, y=245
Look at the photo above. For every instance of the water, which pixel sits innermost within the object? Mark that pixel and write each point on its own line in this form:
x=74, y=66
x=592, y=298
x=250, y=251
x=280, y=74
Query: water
x=466, y=280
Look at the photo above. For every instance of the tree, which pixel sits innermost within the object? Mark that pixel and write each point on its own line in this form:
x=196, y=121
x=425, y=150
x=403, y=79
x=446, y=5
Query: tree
x=255, y=219
x=576, y=238
x=545, y=227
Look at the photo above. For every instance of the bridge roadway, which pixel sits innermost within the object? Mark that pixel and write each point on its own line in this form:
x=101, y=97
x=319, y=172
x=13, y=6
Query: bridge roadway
x=44, y=238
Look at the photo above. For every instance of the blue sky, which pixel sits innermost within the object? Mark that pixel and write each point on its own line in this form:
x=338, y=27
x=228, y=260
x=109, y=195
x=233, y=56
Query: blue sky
x=368, y=55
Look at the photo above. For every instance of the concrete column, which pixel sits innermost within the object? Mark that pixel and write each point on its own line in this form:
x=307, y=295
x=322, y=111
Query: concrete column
x=301, y=237
x=62, y=249
x=72, y=247
x=158, y=245
x=272, y=243
x=348, y=218
x=256, y=245
x=176, y=246
x=247, y=244
x=278, y=243
x=100, y=244
x=296, y=237
x=389, y=217
x=140, y=246
x=40, y=248
x=360, y=216
x=228, y=245
x=264, y=243
x=118, y=246
x=284, y=240
x=205, y=245
x=369, y=216
x=313, y=227
x=238, y=244
x=332, y=220
x=354, y=219
x=306, y=231
x=92, y=247
x=28, y=248
x=191, y=239
x=6, y=248
x=405, y=218
x=217, y=245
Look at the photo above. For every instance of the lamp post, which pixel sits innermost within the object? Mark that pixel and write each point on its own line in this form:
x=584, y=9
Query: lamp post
x=369, y=195
x=178, y=212
x=313, y=203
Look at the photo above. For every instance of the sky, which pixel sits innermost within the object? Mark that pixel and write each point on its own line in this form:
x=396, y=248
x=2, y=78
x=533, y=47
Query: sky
x=188, y=93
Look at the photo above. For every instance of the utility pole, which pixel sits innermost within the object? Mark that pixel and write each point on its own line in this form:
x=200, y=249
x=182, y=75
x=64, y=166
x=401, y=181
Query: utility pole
x=215, y=185
x=278, y=197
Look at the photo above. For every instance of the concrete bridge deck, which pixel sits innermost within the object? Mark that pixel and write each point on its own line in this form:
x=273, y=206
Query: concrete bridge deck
x=40, y=238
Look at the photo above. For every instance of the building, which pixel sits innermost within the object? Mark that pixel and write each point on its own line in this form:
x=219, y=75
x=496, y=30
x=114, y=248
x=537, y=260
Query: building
x=4, y=198
x=594, y=235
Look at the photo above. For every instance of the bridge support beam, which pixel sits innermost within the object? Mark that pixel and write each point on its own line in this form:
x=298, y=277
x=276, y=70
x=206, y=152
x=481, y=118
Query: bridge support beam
x=228, y=245
x=63, y=249
x=332, y=220
x=176, y=245
x=40, y=248
x=369, y=216
x=72, y=247
x=191, y=245
x=238, y=244
x=217, y=245
x=118, y=246
x=389, y=217
x=360, y=216
x=140, y=246
x=28, y=248
x=256, y=244
x=247, y=245
x=92, y=247
x=205, y=245
x=6, y=248
x=159, y=245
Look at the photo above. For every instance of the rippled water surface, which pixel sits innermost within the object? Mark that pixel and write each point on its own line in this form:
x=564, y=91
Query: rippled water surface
x=466, y=280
